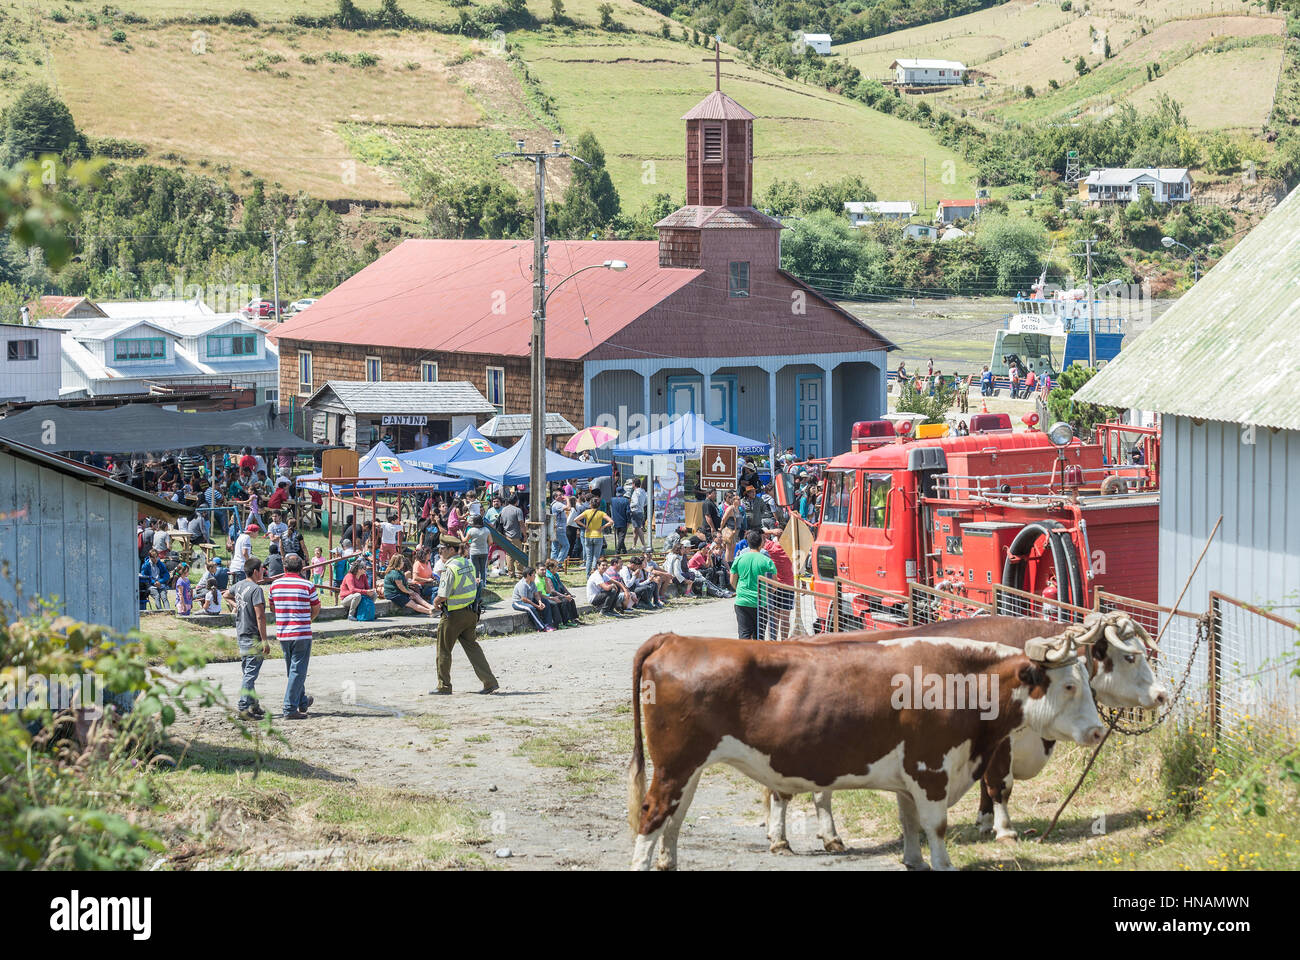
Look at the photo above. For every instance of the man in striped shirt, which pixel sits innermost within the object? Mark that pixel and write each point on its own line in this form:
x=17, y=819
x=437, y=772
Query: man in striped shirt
x=295, y=603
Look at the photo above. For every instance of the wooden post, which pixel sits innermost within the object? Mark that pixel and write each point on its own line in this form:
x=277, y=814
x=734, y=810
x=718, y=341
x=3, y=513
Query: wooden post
x=835, y=614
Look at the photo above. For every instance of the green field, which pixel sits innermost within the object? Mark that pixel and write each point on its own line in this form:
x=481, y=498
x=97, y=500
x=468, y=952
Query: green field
x=801, y=132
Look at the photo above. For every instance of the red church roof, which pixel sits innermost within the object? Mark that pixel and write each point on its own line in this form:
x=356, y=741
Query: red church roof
x=476, y=296
x=717, y=106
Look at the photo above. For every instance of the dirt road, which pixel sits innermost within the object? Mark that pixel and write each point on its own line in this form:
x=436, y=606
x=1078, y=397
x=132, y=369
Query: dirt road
x=543, y=761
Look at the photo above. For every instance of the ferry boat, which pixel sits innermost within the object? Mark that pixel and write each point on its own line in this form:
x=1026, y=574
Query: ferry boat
x=1061, y=316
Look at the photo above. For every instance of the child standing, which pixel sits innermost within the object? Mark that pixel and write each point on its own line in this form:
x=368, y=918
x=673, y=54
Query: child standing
x=317, y=572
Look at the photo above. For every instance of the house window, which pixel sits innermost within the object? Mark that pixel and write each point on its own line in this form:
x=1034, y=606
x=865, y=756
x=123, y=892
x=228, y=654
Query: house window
x=712, y=144
x=304, y=372
x=272, y=395
x=22, y=349
x=240, y=345
x=496, y=388
x=428, y=371
x=142, y=348
x=738, y=285
x=374, y=369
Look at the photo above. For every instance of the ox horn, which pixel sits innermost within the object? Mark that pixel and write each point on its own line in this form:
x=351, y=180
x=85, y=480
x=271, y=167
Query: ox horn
x=1050, y=651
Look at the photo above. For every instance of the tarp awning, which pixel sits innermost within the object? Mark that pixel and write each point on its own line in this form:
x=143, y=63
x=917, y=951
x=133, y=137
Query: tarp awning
x=686, y=435
x=467, y=445
x=138, y=427
x=511, y=467
x=382, y=468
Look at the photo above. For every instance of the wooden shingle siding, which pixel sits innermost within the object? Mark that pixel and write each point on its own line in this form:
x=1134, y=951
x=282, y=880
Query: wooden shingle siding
x=335, y=361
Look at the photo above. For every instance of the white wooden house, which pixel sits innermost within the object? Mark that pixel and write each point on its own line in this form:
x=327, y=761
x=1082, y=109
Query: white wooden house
x=914, y=73
x=861, y=213
x=1124, y=184
x=819, y=42
x=29, y=362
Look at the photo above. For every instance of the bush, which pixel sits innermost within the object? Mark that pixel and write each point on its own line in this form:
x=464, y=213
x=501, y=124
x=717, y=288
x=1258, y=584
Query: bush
x=1081, y=416
x=118, y=36
x=934, y=408
x=116, y=148
x=71, y=794
x=364, y=60
x=240, y=18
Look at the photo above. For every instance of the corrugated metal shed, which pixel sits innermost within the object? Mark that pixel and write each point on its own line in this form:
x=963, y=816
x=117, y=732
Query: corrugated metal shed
x=1227, y=350
x=67, y=534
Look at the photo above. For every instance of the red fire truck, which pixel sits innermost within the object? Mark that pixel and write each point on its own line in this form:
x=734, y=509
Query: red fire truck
x=1038, y=511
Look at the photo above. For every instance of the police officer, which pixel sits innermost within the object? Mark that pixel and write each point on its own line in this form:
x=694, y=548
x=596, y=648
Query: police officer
x=456, y=593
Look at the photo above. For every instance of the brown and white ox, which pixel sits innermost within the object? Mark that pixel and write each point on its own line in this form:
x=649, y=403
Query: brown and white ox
x=803, y=717
x=1116, y=648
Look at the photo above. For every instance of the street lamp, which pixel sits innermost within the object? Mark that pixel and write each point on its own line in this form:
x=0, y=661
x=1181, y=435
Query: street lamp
x=275, y=271
x=1170, y=242
x=537, y=358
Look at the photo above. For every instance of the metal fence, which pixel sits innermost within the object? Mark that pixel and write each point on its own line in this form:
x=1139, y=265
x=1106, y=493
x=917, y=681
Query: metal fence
x=1232, y=671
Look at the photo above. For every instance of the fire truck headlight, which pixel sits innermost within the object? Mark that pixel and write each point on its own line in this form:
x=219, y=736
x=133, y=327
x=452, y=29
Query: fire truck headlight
x=1060, y=434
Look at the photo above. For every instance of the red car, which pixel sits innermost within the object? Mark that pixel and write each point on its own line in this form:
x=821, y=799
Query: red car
x=259, y=308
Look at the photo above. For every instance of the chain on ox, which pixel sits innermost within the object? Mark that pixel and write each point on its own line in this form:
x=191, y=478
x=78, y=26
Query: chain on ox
x=816, y=717
x=1116, y=648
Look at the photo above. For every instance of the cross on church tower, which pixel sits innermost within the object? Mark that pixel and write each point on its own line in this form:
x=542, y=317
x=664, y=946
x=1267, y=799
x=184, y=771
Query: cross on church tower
x=717, y=60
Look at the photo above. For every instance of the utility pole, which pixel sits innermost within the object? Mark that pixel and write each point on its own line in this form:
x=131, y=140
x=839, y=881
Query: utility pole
x=537, y=547
x=1092, y=310
x=275, y=276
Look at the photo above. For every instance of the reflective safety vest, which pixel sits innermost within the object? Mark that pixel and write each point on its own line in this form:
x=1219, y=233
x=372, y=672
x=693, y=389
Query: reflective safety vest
x=462, y=584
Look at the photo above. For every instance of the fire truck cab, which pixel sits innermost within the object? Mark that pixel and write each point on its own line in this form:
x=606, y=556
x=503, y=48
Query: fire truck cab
x=964, y=514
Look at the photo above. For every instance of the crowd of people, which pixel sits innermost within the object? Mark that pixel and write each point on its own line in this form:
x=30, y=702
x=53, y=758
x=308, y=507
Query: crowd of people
x=436, y=557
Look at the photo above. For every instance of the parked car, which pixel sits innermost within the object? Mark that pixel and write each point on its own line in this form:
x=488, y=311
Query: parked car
x=300, y=305
x=259, y=308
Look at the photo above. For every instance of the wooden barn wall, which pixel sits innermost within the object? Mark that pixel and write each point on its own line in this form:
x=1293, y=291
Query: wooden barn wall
x=76, y=543
x=334, y=361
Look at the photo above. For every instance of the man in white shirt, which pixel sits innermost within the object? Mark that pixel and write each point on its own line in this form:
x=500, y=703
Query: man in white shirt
x=602, y=594
x=640, y=501
x=559, y=536
x=242, y=552
x=161, y=542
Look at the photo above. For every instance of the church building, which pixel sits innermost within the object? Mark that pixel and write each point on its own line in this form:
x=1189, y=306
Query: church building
x=702, y=320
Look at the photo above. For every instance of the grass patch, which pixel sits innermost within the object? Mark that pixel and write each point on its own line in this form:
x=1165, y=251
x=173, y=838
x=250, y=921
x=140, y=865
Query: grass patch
x=292, y=811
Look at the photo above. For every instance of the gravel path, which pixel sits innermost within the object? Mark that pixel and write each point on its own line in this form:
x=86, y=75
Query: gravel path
x=565, y=697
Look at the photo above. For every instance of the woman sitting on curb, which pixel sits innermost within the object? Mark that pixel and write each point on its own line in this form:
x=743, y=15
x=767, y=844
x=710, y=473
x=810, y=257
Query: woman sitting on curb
x=398, y=592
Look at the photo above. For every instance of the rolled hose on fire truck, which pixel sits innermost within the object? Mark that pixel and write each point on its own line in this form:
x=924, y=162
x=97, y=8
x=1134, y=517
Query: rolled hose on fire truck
x=1064, y=558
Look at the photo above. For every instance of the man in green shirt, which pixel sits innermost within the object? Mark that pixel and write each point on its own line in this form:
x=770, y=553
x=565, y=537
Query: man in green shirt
x=745, y=571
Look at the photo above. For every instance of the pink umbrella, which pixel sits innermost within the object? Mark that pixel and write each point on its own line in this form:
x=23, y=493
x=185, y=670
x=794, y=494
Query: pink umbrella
x=590, y=438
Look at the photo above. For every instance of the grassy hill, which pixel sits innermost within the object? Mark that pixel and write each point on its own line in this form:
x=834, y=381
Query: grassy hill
x=359, y=115
x=1218, y=59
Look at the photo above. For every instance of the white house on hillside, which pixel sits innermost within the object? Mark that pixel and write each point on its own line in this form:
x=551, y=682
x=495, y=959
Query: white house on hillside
x=873, y=211
x=921, y=231
x=819, y=42
x=927, y=72
x=1123, y=184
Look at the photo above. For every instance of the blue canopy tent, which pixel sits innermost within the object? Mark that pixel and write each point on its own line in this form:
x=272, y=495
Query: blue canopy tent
x=511, y=467
x=686, y=435
x=469, y=444
x=382, y=469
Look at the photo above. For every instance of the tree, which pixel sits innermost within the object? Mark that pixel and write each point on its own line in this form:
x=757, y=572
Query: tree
x=606, y=11
x=557, y=11
x=1013, y=247
x=590, y=203
x=37, y=123
x=1083, y=417
x=1081, y=66
x=932, y=408
x=349, y=17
